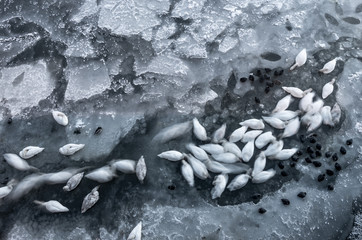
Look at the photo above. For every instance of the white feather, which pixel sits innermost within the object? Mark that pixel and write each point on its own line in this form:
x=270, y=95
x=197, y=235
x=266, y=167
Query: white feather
x=226, y=157
x=306, y=101
x=124, y=165
x=253, y=123
x=248, y=151
x=283, y=104
x=216, y=167
x=259, y=164
x=16, y=162
x=136, y=233
x=4, y=191
x=30, y=152
x=171, y=155
x=26, y=185
x=284, y=154
x=219, y=134
x=300, y=59
x=238, y=134
x=251, y=135
x=53, y=206
x=60, y=118
x=274, y=122
x=73, y=182
x=286, y=115
x=91, y=199
x=232, y=148
x=188, y=173
x=199, y=153
x=61, y=176
x=264, y=139
x=328, y=88
x=219, y=183
x=70, y=149
x=292, y=128
x=212, y=148
x=336, y=113
x=329, y=66
x=141, y=169
x=101, y=175
x=296, y=92
x=327, y=116
x=199, y=130
x=238, y=182
x=274, y=148
x=264, y=176
x=236, y=168
x=199, y=168
x=315, y=122
x=172, y=132
x=315, y=106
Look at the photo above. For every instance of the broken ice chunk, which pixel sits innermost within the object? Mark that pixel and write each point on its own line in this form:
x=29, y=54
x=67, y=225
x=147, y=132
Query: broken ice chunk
x=188, y=9
x=227, y=44
x=115, y=123
x=25, y=85
x=165, y=65
x=187, y=46
x=85, y=78
x=131, y=17
x=88, y=8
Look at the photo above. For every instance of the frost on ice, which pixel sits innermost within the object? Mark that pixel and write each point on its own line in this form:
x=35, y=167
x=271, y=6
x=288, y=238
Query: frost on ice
x=25, y=85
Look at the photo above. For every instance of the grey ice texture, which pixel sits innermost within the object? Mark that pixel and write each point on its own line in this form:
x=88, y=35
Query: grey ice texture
x=134, y=67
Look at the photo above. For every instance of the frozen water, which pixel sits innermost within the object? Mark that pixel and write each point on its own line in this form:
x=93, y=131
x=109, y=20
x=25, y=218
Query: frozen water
x=131, y=17
x=88, y=8
x=227, y=44
x=115, y=125
x=356, y=232
x=187, y=46
x=209, y=26
x=123, y=71
x=164, y=65
x=80, y=48
x=187, y=9
x=13, y=42
x=25, y=85
x=18, y=232
x=85, y=78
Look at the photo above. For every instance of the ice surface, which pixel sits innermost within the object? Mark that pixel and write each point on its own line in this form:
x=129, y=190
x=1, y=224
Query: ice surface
x=164, y=65
x=88, y=8
x=210, y=25
x=115, y=125
x=350, y=79
x=18, y=232
x=356, y=232
x=25, y=85
x=187, y=46
x=227, y=44
x=80, y=48
x=131, y=17
x=188, y=9
x=161, y=40
x=13, y=42
x=85, y=78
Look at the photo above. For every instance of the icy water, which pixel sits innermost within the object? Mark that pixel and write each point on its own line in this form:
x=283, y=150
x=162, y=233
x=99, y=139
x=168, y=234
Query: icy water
x=135, y=67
